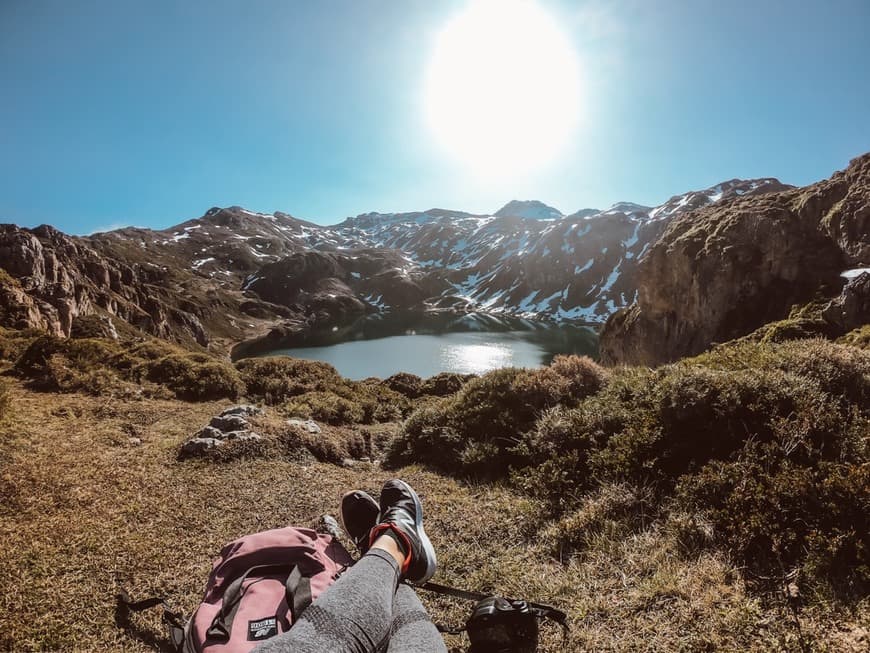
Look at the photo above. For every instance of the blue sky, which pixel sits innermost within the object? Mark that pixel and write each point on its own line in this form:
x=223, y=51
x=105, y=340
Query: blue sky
x=148, y=113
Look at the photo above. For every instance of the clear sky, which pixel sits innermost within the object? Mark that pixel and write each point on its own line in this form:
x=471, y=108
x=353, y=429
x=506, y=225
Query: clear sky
x=126, y=112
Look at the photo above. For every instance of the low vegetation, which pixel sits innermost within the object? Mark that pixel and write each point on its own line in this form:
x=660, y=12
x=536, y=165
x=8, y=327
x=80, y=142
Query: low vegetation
x=859, y=337
x=105, y=367
x=478, y=429
x=718, y=503
x=5, y=400
x=763, y=445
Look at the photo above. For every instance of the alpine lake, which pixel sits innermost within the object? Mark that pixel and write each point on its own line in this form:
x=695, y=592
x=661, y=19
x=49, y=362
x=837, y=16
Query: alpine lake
x=426, y=343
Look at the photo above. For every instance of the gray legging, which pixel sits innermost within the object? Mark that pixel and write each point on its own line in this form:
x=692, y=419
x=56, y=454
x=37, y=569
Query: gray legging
x=366, y=610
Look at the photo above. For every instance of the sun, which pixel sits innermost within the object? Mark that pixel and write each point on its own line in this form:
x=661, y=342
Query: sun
x=502, y=92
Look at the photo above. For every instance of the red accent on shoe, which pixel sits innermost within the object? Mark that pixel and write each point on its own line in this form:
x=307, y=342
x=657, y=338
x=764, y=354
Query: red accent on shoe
x=376, y=532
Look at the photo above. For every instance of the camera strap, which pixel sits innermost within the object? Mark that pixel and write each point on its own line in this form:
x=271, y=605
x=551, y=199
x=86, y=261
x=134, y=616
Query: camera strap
x=540, y=610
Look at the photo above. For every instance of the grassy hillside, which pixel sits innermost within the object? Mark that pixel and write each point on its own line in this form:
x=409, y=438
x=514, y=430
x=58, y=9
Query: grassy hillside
x=716, y=504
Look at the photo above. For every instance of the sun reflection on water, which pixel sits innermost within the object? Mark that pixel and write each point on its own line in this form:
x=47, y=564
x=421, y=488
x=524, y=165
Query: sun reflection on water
x=476, y=359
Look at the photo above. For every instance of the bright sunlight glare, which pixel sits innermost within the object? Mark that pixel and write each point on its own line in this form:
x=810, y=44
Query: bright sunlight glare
x=502, y=90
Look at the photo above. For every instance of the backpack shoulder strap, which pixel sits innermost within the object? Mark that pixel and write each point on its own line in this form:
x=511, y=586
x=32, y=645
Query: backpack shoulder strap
x=173, y=621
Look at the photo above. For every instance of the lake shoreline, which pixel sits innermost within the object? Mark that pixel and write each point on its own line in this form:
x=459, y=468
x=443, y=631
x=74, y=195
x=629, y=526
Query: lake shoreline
x=429, y=342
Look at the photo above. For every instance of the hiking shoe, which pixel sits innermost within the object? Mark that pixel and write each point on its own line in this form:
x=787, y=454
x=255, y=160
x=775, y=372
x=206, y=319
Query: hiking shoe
x=359, y=513
x=402, y=517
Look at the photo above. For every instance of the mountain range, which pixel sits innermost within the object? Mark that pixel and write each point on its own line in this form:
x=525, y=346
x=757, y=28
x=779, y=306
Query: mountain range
x=236, y=275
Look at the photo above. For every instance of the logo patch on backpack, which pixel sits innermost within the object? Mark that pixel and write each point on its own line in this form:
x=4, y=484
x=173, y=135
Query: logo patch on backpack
x=262, y=629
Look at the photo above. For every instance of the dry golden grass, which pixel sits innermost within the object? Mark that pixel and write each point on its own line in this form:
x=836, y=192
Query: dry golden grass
x=85, y=509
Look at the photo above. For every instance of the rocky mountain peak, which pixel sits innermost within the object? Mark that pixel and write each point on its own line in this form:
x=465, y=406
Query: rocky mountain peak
x=532, y=209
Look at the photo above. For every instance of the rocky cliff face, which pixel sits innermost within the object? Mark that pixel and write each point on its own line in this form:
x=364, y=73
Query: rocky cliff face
x=52, y=279
x=719, y=272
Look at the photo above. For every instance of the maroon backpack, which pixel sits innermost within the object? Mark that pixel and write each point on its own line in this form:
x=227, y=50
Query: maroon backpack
x=258, y=586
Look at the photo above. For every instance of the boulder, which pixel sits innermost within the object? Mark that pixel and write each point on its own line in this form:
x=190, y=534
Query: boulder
x=198, y=446
x=228, y=423
x=246, y=410
x=306, y=425
x=852, y=308
x=209, y=432
x=242, y=435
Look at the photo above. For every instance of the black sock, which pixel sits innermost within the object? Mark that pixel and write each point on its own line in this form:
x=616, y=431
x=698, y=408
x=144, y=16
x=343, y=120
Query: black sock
x=398, y=539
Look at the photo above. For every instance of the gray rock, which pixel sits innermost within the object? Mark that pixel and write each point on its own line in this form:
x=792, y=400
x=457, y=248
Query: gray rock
x=242, y=435
x=852, y=308
x=229, y=423
x=246, y=410
x=209, y=432
x=196, y=446
x=308, y=425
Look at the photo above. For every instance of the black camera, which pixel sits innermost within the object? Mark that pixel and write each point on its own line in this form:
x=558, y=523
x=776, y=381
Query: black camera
x=497, y=625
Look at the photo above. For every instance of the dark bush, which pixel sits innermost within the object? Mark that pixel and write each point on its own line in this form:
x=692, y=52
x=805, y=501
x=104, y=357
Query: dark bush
x=93, y=326
x=445, y=383
x=405, y=383
x=273, y=380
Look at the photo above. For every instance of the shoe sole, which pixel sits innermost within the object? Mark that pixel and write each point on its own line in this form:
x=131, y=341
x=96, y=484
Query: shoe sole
x=365, y=495
x=432, y=563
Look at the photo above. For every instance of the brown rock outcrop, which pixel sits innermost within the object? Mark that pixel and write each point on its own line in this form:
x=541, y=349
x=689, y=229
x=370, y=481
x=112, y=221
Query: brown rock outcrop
x=50, y=279
x=852, y=308
x=720, y=272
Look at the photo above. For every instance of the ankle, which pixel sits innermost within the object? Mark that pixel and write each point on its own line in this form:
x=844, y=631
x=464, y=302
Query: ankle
x=386, y=542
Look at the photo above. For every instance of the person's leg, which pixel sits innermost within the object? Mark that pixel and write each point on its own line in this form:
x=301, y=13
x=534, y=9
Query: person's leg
x=412, y=631
x=354, y=615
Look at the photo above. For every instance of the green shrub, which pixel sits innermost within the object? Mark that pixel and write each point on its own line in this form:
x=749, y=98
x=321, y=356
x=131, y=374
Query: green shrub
x=774, y=515
x=859, y=337
x=378, y=402
x=839, y=370
x=273, y=380
x=560, y=448
x=108, y=367
x=426, y=437
x=14, y=342
x=324, y=407
x=691, y=415
x=490, y=414
x=196, y=377
x=81, y=365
